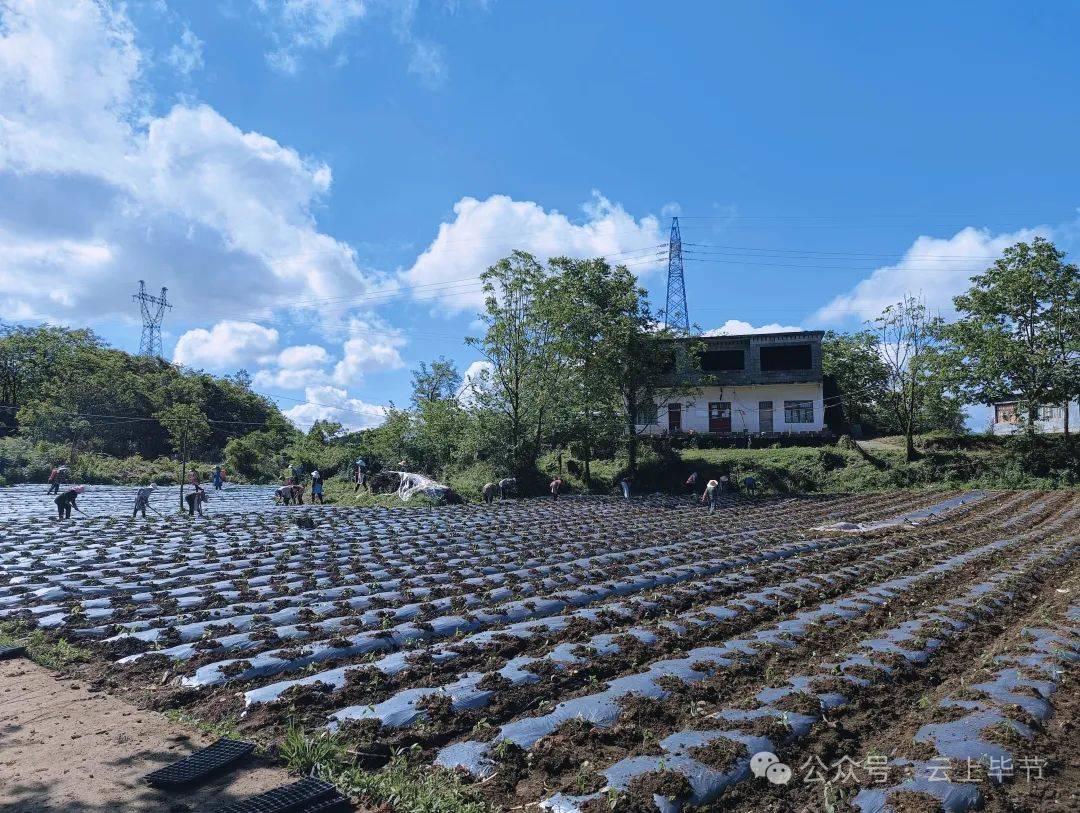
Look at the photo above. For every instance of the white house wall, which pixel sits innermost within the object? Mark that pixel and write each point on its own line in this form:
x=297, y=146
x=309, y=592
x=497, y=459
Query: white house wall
x=744, y=408
x=1043, y=427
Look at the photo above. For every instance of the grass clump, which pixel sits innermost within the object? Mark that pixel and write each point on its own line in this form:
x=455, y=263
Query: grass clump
x=403, y=785
x=57, y=653
x=406, y=787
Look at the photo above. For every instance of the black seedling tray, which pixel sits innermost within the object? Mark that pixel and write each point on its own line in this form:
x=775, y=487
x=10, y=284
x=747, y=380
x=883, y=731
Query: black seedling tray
x=299, y=797
x=11, y=652
x=200, y=766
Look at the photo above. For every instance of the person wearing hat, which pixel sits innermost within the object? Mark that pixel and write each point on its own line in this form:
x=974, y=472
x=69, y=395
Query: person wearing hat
x=710, y=494
x=66, y=501
x=316, y=487
x=142, y=500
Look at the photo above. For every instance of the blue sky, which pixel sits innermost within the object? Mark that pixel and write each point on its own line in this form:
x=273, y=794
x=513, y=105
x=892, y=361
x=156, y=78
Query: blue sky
x=319, y=183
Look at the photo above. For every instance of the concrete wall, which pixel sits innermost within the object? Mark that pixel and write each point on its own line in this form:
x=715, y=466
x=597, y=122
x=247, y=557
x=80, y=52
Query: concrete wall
x=1056, y=425
x=744, y=408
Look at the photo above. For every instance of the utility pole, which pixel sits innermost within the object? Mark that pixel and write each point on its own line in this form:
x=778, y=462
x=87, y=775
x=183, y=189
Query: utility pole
x=675, y=312
x=153, y=312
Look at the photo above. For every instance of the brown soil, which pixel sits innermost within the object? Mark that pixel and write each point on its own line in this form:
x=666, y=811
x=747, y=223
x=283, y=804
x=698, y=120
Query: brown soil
x=68, y=749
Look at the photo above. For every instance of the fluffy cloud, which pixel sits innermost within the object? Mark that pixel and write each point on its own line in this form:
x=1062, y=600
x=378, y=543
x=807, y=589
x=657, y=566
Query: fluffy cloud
x=94, y=190
x=334, y=404
x=934, y=269
x=373, y=346
x=737, y=327
x=302, y=356
x=483, y=231
x=226, y=346
x=370, y=345
x=475, y=381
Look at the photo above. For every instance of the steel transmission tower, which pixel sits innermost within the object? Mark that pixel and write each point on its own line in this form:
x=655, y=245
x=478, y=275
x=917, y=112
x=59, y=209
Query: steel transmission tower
x=153, y=311
x=675, y=312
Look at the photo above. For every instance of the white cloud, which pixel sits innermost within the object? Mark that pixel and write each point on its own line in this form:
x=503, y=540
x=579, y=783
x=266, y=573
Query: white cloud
x=302, y=356
x=226, y=346
x=737, y=327
x=298, y=366
x=671, y=209
x=933, y=269
x=186, y=56
x=334, y=404
x=483, y=231
x=303, y=26
x=475, y=381
x=285, y=379
x=373, y=346
x=86, y=174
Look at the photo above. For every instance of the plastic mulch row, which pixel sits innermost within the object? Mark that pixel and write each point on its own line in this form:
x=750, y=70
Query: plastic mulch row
x=306, y=796
x=195, y=768
x=11, y=652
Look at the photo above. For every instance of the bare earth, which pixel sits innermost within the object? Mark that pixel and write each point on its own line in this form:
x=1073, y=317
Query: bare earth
x=69, y=750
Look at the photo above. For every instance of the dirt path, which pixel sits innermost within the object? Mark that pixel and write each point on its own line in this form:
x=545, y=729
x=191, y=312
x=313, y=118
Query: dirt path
x=66, y=749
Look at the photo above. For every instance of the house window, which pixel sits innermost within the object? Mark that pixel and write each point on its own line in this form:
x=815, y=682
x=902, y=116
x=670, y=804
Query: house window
x=798, y=411
x=1050, y=413
x=674, y=417
x=646, y=414
x=786, y=357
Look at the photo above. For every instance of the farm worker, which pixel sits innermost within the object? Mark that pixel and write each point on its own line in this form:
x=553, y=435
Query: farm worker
x=626, y=483
x=750, y=484
x=361, y=473
x=316, y=487
x=710, y=494
x=725, y=481
x=507, y=485
x=218, y=478
x=193, y=477
x=66, y=501
x=691, y=482
x=284, y=495
x=142, y=500
x=54, y=480
x=195, y=500
x=403, y=464
x=489, y=492
x=556, y=484
x=298, y=474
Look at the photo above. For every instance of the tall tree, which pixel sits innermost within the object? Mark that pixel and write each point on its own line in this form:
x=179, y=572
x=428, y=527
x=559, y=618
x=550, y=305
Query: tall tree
x=438, y=381
x=187, y=427
x=908, y=338
x=855, y=363
x=520, y=345
x=1018, y=334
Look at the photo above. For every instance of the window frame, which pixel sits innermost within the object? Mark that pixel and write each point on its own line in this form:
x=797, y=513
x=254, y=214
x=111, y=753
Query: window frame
x=798, y=411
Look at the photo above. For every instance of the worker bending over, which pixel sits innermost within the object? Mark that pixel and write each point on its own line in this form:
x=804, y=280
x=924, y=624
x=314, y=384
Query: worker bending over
x=66, y=501
x=142, y=500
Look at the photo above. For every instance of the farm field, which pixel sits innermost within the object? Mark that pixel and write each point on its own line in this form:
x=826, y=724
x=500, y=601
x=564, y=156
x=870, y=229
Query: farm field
x=897, y=651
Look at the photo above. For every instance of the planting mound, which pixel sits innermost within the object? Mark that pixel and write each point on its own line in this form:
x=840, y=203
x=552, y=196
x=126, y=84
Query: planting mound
x=593, y=654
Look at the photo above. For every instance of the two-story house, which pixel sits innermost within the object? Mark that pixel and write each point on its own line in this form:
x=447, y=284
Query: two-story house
x=759, y=383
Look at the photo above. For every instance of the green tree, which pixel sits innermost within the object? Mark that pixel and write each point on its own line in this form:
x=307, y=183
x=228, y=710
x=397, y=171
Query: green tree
x=854, y=361
x=908, y=337
x=187, y=427
x=520, y=344
x=1018, y=334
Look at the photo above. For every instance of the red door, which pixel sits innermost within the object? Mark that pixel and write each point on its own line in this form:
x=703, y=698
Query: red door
x=719, y=416
x=674, y=417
